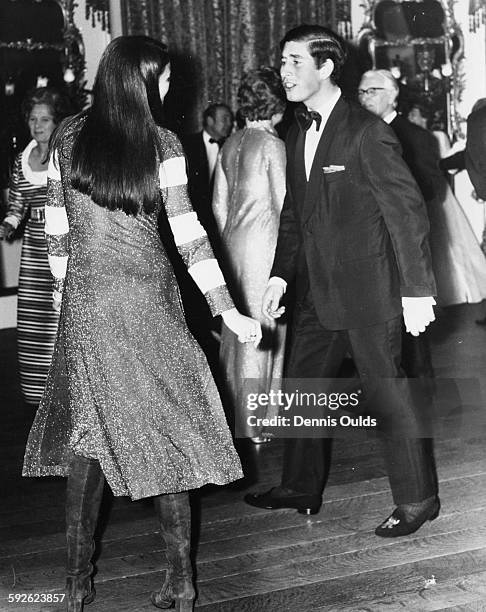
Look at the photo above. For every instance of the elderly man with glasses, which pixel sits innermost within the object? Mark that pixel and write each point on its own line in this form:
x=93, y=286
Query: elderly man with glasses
x=378, y=93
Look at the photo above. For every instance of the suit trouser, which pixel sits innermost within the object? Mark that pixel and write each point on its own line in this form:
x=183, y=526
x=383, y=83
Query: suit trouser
x=416, y=357
x=376, y=350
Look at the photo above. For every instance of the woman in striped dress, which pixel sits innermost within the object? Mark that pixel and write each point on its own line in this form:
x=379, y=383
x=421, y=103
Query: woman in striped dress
x=36, y=319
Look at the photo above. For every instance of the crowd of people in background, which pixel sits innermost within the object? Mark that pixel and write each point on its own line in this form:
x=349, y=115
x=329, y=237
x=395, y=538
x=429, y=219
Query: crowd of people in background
x=341, y=212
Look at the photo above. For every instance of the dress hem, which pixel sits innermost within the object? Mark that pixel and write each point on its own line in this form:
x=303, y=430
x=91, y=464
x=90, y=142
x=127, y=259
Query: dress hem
x=64, y=472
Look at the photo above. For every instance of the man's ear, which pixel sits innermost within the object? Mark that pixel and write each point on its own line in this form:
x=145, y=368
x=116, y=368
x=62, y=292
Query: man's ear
x=327, y=69
x=393, y=99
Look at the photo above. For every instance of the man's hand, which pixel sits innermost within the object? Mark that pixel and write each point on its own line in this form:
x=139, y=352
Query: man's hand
x=271, y=301
x=246, y=328
x=418, y=312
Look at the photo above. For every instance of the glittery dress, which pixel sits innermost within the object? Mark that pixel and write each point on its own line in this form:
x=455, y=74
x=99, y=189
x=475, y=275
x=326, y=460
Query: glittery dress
x=128, y=384
x=248, y=197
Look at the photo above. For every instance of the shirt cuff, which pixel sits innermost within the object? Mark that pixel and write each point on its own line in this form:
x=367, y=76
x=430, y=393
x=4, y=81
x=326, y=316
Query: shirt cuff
x=11, y=220
x=276, y=280
x=428, y=300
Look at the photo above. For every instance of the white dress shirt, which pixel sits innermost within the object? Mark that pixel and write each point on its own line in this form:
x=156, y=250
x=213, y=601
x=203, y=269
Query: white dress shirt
x=389, y=118
x=212, y=150
x=312, y=136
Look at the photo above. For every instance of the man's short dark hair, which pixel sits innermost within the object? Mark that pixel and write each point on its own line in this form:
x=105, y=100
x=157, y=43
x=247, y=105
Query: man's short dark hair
x=210, y=111
x=323, y=44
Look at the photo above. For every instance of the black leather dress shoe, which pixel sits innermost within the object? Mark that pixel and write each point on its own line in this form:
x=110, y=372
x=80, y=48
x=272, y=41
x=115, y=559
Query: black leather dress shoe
x=397, y=525
x=278, y=497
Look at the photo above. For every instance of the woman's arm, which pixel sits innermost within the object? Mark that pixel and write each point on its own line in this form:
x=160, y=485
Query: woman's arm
x=193, y=244
x=17, y=205
x=220, y=196
x=56, y=228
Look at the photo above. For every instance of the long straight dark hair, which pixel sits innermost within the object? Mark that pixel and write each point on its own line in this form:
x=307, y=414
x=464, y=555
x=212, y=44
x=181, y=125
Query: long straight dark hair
x=115, y=155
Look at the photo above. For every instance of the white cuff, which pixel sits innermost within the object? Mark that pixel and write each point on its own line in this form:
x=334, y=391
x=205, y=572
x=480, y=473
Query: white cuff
x=11, y=220
x=276, y=280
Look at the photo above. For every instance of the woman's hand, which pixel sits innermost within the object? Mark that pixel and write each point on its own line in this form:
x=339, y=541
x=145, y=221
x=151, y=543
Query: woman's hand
x=6, y=230
x=56, y=300
x=246, y=328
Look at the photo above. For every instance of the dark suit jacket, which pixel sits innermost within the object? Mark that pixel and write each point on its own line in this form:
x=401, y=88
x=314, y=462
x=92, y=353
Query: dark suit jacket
x=198, y=179
x=476, y=151
x=420, y=151
x=356, y=238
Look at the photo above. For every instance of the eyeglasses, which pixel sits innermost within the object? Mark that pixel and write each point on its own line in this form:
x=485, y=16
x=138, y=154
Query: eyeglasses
x=371, y=91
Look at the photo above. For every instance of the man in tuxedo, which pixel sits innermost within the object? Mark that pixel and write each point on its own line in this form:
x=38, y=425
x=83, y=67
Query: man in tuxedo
x=378, y=93
x=353, y=235
x=475, y=156
x=201, y=150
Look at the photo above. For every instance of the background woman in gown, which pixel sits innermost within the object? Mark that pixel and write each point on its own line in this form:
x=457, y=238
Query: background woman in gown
x=36, y=318
x=458, y=261
x=129, y=396
x=248, y=197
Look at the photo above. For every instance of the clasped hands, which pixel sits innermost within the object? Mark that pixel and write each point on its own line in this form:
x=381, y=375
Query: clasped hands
x=246, y=328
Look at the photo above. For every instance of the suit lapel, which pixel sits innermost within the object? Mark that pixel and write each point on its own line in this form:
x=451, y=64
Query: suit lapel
x=321, y=157
x=203, y=156
x=299, y=164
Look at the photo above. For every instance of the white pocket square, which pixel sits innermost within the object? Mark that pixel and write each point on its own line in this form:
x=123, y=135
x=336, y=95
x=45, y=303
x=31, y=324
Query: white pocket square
x=331, y=168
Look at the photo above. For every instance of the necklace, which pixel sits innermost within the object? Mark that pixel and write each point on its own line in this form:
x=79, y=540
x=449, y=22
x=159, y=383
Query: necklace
x=261, y=124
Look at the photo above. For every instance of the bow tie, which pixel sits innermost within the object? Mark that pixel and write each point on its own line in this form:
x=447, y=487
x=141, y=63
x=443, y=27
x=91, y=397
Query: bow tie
x=218, y=142
x=306, y=117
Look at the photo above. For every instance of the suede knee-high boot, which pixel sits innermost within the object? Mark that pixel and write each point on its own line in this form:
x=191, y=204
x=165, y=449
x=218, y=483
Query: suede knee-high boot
x=174, y=515
x=83, y=497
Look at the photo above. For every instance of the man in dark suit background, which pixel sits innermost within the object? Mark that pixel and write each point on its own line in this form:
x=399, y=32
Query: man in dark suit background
x=201, y=151
x=476, y=150
x=353, y=234
x=378, y=92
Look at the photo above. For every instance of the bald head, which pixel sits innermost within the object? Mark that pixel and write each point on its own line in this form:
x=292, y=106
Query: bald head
x=378, y=92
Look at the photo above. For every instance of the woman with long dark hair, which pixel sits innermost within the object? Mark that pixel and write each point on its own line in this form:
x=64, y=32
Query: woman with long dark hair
x=129, y=397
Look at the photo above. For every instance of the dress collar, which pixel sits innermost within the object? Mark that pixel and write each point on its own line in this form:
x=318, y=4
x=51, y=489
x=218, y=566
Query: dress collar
x=33, y=177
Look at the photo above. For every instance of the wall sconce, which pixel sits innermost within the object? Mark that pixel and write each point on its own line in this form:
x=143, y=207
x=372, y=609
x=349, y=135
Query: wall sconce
x=69, y=76
x=10, y=87
x=42, y=81
x=397, y=73
x=446, y=69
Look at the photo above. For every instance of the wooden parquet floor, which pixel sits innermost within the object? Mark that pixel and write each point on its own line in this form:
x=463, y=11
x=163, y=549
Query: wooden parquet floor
x=252, y=560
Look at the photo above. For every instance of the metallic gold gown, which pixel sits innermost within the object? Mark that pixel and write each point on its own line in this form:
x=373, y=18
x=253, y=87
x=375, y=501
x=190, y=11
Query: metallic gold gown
x=248, y=197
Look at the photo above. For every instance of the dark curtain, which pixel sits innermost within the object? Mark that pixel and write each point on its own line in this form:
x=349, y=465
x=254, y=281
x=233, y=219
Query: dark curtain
x=212, y=42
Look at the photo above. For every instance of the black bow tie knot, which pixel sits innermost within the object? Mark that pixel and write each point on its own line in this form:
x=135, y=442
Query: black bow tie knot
x=218, y=142
x=305, y=118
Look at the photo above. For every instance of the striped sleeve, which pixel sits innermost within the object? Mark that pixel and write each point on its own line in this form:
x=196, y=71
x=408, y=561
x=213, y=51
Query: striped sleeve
x=189, y=235
x=57, y=226
x=17, y=205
